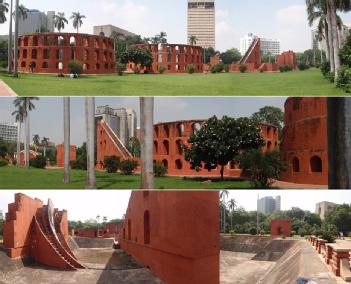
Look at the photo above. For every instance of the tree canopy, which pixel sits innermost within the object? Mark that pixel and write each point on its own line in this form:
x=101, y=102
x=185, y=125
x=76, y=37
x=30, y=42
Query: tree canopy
x=230, y=56
x=271, y=115
x=137, y=55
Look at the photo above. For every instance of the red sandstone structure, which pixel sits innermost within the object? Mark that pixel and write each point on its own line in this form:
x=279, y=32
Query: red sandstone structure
x=175, y=234
x=32, y=155
x=60, y=154
x=281, y=228
x=175, y=57
x=287, y=59
x=110, y=230
x=51, y=53
x=304, y=145
x=38, y=231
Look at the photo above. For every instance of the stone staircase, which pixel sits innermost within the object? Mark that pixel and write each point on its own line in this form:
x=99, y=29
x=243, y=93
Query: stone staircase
x=252, y=47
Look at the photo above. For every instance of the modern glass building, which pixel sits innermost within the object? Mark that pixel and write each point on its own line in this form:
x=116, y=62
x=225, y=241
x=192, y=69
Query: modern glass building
x=8, y=131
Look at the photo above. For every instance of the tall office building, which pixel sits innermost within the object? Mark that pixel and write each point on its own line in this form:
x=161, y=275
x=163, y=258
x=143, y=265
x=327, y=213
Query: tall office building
x=132, y=122
x=268, y=46
x=8, y=132
x=202, y=22
x=107, y=30
x=322, y=208
x=37, y=21
x=267, y=205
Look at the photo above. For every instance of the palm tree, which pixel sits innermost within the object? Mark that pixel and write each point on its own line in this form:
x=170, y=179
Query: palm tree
x=222, y=196
x=4, y=8
x=15, y=49
x=22, y=12
x=155, y=39
x=60, y=21
x=9, y=48
x=27, y=105
x=45, y=143
x=147, y=142
x=163, y=37
x=77, y=20
x=67, y=138
x=19, y=116
x=192, y=40
x=231, y=205
x=36, y=141
x=90, y=133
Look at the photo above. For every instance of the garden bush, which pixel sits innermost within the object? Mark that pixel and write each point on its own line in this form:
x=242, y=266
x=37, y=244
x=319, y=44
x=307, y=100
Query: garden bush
x=226, y=68
x=242, y=68
x=75, y=67
x=38, y=162
x=285, y=68
x=190, y=68
x=127, y=167
x=3, y=163
x=303, y=66
x=159, y=169
x=161, y=69
x=217, y=68
x=136, y=69
x=253, y=231
x=112, y=164
x=325, y=68
x=344, y=78
x=120, y=68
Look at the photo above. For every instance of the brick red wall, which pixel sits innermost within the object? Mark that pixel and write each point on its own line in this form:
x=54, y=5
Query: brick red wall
x=305, y=137
x=180, y=243
x=287, y=58
x=280, y=228
x=32, y=155
x=46, y=51
x=60, y=152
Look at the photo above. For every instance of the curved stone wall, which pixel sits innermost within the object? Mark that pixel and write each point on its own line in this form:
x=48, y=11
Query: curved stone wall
x=304, y=144
x=51, y=53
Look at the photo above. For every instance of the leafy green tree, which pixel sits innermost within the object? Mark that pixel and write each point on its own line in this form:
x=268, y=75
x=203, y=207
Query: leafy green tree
x=127, y=167
x=81, y=162
x=134, y=146
x=137, y=55
x=208, y=53
x=268, y=58
x=230, y=56
x=340, y=216
x=271, y=115
x=220, y=141
x=112, y=164
x=262, y=168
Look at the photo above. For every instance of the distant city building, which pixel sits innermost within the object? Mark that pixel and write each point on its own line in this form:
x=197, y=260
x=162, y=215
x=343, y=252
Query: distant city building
x=268, y=46
x=1, y=215
x=268, y=205
x=322, y=208
x=122, y=121
x=36, y=21
x=322, y=45
x=8, y=131
x=107, y=30
x=202, y=22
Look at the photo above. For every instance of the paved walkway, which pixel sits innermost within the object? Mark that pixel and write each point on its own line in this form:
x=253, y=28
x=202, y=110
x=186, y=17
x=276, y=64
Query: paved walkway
x=6, y=91
x=289, y=185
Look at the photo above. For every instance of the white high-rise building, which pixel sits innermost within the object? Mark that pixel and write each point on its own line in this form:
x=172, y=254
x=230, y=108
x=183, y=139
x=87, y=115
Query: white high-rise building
x=268, y=46
x=268, y=205
x=132, y=122
x=36, y=21
x=202, y=22
x=8, y=131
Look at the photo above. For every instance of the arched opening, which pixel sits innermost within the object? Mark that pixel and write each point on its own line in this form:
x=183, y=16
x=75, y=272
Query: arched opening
x=35, y=41
x=33, y=64
x=180, y=130
x=85, y=66
x=45, y=65
x=73, y=54
x=196, y=127
x=86, y=55
x=101, y=34
x=316, y=164
x=96, y=55
x=97, y=66
x=166, y=129
x=166, y=147
x=232, y=165
x=72, y=41
x=178, y=164
x=106, y=66
x=155, y=147
x=165, y=163
x=280, y=231
x=129, y=229
x=96, y=43
x=24, y=55
x=45, y=41
x=146, y=227
x=104, y=44
x=60, y=40
x=296, y=165
x=46, y=54
x=23, y=64
x=60, y=66
x=85, y=41
x=269, y=145
x=269, y=131
x=59, y=54
x=124, y=233
x=179, y=145
x=156, y=131
x=25, y=41
x=34, y=54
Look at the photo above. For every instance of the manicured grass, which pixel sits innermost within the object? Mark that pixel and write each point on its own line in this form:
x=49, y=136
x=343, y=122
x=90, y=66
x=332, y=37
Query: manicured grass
x=298, y=83
x=14, y=178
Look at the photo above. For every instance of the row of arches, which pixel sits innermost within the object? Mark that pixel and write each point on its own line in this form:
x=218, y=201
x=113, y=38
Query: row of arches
x=315, y=164
x=179, y=130
x=146, y=225
x=60, y=65
x=165, y=147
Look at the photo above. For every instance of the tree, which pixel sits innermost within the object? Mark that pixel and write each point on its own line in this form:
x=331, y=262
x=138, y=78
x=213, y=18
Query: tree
x=192, y=40
x=222, y=196
x=220, y=141
x=15, y=49
x=232, y=205
x=340, y=216
x=27, y=105
x=90, y=133
x=160, y=38
x=45, y=143
x=77, y=20
x=66, y=139
x=262, y=168
x=230, y=56
x=134, y=147
x=19, y=114
x=9, y=47
x=208, y=53
x=60, y=21
x=36, y=141
x=4, y=8
x=147, y=142
x=137, y=55
x=22, y=12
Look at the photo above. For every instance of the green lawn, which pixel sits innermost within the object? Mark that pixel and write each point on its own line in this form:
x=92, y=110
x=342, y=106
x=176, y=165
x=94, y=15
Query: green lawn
x=298, y=83
x=15, y=178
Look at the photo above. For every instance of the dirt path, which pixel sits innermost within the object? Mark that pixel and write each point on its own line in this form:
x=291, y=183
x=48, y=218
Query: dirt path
x=289, y=185
x=6, y=91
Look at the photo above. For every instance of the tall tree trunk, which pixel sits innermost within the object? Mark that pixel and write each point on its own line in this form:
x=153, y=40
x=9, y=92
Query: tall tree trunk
x=90, y=132
x=15, y=50
x=27, y=139
x=44, y=151
x=330, y=41
x=67, y=143
x=18, y=143
x=336, y=47
x=222, y=172
x=327, y=54
x=9, y=50
x=339, y=142
x=147, y=142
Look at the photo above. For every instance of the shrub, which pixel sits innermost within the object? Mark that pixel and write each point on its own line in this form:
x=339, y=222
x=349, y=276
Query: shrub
x=285, y=68
x=127, y=167
x=344, y=78
x=328, y=232
x=136, y=69
x=3, y=64
x=226, y=68
x=242, y=68
x=3, y=163
x=161, y=69
x=120, y=68
x=190, y=68
x=253, y=231
x=303, y=66
x=302, y=232
x=38, y=162
x=217, y=68
x=232, y=232
x=159, y=169
x=112, y=164
x=325, y=68
x=75, y=67
x=330, y=76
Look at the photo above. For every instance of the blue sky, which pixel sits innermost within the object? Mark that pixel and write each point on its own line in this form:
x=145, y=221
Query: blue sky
x=46, y=119
x=285, y=20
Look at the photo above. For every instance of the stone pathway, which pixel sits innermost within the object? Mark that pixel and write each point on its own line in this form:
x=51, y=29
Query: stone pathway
x=289, y=185
x=6, y=91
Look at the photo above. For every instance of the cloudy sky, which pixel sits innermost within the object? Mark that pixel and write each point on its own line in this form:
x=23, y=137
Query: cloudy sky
x=47, y=118
x=284, y=20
